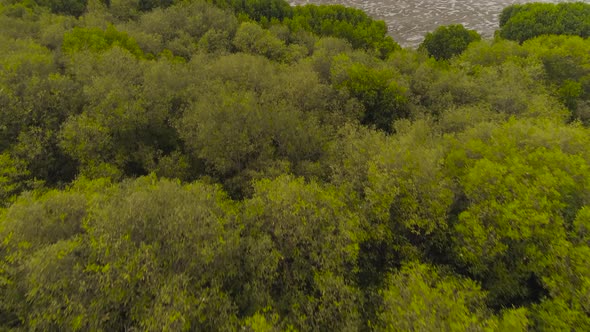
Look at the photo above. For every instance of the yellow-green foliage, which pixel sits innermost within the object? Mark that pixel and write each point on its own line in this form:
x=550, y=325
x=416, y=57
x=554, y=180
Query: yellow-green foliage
x=98, y=40
x=245, y=165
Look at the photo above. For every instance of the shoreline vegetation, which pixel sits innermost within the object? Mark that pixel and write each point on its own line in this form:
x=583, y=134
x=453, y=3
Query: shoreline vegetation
x=245, y=165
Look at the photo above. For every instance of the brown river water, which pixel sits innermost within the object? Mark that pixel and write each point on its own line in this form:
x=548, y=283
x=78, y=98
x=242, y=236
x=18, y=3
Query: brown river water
x=409, y=20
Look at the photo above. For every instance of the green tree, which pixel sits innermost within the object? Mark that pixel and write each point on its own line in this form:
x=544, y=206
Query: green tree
x=567, y=66
x=350, y=24
x=14, y=178
x=420, y=297
x=39, y=243
x=251, y=38
x=258, y=10
x=180, y=27
x=315, y=237
x=250, y=120
x=120, y=130
x=173, y=266
x=67, y=7
x=497, y=236
x=381, y=91
x=98, y=40
x=36, y=99
x=448, y=41
x=526, y=21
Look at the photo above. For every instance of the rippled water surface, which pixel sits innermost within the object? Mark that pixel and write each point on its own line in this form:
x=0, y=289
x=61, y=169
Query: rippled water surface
x=410, y=20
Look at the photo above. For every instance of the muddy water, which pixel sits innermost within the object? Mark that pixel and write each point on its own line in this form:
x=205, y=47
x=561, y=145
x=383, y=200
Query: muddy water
x=410, y=20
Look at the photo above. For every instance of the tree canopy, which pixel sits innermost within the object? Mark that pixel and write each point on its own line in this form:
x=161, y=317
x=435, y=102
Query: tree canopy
x=248, y=165
x=521, y=22
x=448, y=41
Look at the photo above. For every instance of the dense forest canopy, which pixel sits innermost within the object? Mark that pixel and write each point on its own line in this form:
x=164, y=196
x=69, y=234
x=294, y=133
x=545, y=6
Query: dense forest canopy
x=247, y=165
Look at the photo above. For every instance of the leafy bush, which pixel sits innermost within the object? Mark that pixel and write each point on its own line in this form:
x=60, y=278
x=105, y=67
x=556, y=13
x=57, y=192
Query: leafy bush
x=448, y=41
